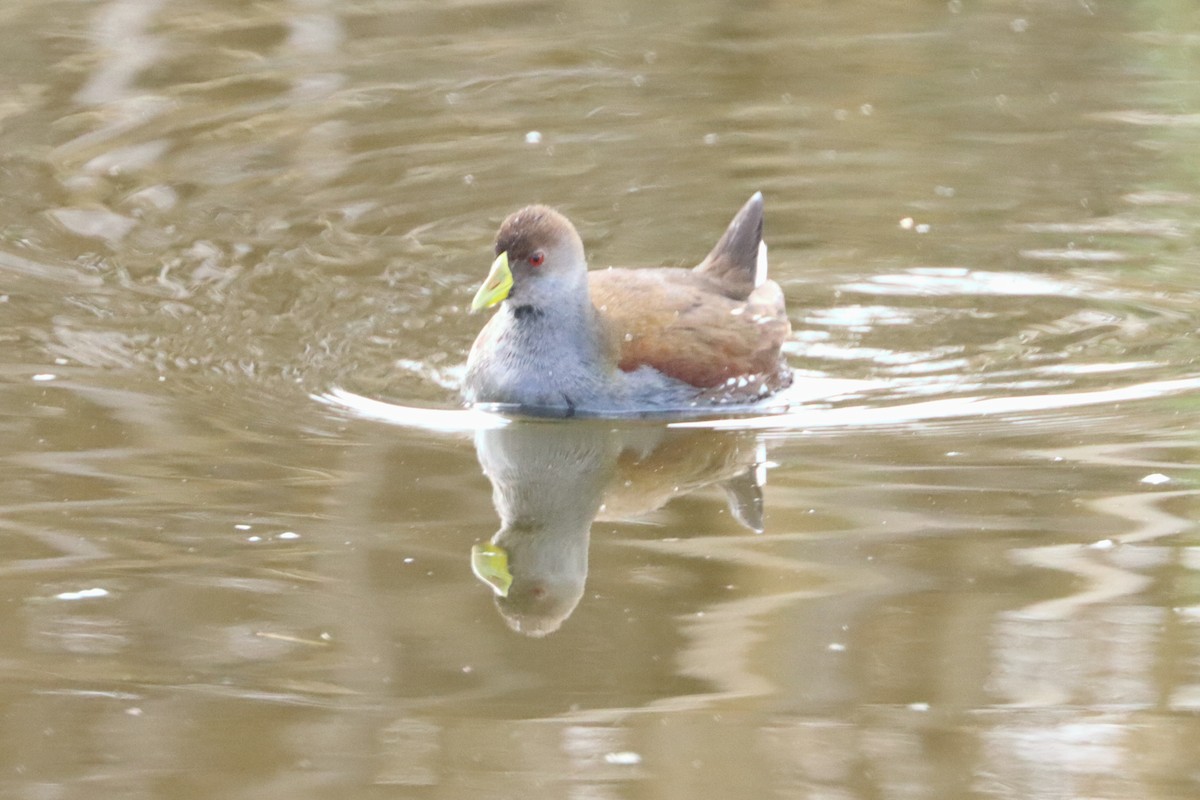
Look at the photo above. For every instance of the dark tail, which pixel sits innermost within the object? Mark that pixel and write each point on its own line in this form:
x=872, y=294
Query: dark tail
x=733, y=263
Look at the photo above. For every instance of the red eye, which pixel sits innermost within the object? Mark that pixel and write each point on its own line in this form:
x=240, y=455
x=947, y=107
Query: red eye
x=537, y=258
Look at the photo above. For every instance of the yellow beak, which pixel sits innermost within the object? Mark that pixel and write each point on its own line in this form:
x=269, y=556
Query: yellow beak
x=496, y=286
x=489, y=562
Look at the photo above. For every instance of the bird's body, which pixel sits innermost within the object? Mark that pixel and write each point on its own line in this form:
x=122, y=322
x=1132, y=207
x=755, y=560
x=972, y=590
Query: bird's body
x=565, y=339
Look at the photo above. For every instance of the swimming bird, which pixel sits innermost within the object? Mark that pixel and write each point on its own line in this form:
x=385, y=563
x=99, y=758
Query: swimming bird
x=567, y=340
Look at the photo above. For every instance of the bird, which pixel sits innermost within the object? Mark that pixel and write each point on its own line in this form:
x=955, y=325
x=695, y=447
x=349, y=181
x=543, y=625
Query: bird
x=566, y=340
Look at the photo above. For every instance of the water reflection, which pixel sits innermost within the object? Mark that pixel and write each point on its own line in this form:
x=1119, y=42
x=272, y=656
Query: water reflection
x=979, y=576
x=551, y=480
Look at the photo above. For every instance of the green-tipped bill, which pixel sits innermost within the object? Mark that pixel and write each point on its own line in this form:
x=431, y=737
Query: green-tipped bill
x=489, y=562
x=496, y=286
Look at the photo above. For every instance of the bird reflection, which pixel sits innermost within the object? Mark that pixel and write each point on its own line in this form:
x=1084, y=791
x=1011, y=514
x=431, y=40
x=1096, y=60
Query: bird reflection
x=551, y=479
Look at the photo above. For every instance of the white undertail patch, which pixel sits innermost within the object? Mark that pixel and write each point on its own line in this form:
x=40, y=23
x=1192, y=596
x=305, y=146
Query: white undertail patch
x=760, y=265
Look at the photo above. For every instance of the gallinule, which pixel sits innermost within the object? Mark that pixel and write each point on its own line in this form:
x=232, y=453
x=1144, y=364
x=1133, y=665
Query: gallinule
x=615, y=340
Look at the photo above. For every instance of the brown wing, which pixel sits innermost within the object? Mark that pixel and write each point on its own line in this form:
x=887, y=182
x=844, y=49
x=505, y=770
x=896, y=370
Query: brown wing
x=679, y=322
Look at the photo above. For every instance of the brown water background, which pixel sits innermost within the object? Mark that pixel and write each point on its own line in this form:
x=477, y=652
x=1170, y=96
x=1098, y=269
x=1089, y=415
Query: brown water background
x=979, y=569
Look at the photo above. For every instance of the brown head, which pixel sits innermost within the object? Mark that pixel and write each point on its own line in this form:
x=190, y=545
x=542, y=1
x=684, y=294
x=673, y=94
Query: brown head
x=539, y=260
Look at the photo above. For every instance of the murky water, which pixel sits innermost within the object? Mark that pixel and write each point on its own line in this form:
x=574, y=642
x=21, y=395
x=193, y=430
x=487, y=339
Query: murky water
x=242, y=515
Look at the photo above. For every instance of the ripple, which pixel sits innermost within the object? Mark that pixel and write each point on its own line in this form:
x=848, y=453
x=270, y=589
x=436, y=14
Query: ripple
x=949, y=408
x=943, y=281
x=1075, y=254
x=1165, y=228
x=440, y=420
x=1151, y=118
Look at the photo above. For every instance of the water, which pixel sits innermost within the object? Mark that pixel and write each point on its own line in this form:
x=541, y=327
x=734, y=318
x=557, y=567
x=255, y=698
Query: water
x=240, y=504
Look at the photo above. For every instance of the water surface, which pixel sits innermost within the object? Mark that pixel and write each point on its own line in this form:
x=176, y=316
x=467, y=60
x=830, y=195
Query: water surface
x=237, y=245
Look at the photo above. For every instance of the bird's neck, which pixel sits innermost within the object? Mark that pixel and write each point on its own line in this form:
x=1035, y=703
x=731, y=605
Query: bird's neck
x=567, y=330
x=570, y=321
x=561, y=301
